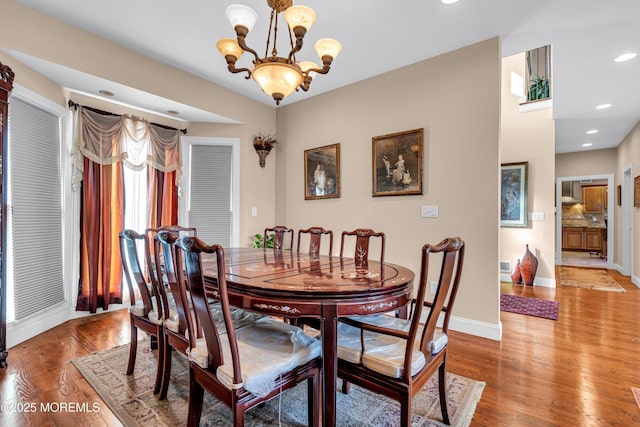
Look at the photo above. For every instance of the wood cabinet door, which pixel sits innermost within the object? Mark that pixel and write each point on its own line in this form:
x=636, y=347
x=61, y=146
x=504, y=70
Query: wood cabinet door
x=593, y=239
x=574, y=238
x=593, y=198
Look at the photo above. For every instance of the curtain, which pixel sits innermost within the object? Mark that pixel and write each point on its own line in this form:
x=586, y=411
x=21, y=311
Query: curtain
x=101, y=219
x=104, y=144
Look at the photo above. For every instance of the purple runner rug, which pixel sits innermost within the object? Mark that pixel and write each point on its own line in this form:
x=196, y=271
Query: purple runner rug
x=529, y=306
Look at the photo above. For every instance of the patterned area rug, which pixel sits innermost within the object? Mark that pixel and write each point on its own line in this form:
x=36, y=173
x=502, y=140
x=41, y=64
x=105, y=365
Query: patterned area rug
x=589, y=278
x=529, y=306
x=132, y=400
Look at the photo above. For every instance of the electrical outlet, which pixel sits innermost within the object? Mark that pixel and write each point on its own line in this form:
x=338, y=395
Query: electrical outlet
x=434, y=286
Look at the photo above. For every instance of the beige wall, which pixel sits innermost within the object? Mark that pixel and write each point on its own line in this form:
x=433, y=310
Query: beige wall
x=529, y=137
x=629, y=154
x=592, y=162
x=460, y=118
x=27, y=31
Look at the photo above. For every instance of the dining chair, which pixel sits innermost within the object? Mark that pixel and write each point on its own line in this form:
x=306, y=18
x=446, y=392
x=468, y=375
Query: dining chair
x=182, y=322
x=396, y=357
x=145, y=313
x=362, y=238
x=152, y=246
x=247, y=366
x=315, y=239
x=279, y=235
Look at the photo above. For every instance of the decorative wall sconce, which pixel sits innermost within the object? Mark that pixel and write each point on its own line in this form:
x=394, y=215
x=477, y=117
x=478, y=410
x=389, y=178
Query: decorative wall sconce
x=263, y=143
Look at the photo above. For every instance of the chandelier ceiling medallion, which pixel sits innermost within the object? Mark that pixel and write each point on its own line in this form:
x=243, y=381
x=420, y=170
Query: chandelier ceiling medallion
x=277, y=76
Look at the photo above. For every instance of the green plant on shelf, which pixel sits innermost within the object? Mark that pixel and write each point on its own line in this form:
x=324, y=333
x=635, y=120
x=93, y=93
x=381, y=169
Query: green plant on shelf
x=538, y=88
x=258, y=240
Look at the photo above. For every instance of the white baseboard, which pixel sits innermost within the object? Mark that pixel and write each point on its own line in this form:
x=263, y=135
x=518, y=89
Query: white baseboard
x=473, y=327
x=635, y=280
x=544, y=282
x=20, y=331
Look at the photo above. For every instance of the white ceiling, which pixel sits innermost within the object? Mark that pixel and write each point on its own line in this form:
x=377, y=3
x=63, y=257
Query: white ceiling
x=378, y=36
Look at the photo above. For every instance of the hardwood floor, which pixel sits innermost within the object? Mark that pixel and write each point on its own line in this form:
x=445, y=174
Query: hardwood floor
x=576, y=371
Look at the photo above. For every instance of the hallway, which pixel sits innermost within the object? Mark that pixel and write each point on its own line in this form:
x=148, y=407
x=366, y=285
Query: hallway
x=582, y=259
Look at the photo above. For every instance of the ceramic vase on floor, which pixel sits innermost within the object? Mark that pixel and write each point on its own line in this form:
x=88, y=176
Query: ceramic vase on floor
x=528, y=267
x=516, y=276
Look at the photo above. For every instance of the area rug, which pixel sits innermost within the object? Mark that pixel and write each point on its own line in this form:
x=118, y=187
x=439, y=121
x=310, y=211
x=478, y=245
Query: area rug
x=589, y=278
x=529, y=306
x=131, y=398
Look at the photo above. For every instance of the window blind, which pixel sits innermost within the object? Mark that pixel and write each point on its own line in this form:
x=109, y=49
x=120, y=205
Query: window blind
x=210, y=187
x=35, y=199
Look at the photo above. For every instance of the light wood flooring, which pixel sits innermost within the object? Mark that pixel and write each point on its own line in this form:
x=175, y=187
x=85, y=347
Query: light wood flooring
x=576, y=371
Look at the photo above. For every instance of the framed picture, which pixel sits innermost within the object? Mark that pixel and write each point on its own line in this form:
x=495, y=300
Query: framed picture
x=636, y=191
x=322, y=172
x=513, y=194
x=397, y=163
x=619, y=195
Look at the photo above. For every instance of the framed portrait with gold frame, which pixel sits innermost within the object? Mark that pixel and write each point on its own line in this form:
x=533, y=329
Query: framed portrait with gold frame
x=322, y=172
x=397, y=163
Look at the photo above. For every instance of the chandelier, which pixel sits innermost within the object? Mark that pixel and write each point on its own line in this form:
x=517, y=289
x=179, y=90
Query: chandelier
x=277, y=76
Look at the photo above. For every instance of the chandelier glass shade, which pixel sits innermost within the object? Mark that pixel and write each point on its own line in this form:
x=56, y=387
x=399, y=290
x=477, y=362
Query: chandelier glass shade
x=277, y=76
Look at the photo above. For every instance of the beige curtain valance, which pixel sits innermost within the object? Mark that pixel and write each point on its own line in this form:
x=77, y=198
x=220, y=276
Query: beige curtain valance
x=134, y=142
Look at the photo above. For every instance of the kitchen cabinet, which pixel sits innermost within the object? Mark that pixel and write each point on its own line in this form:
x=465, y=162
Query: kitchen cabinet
x=584, y=239
x=572, y=238
x=594, y=198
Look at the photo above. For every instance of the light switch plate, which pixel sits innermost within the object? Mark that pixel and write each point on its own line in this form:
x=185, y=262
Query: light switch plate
x=429, y=212
x=537, y=216
x=254, y=211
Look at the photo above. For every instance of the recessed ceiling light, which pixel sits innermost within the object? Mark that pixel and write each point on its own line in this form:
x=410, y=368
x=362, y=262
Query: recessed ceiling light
x=449, y=1
x=603, y=106
x=587, y=144
x=173, y=112
x=592, y=131
x=625, y=57
x=106, y=92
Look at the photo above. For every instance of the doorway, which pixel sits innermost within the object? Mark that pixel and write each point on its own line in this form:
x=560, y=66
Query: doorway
x=584, y=257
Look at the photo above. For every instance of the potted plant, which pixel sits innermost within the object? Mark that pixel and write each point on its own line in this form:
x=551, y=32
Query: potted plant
x=258, y=241
x=538, y=88
x=263, y=143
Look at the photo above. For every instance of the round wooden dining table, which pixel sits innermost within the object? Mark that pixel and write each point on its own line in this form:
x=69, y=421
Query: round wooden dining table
x=298, y=285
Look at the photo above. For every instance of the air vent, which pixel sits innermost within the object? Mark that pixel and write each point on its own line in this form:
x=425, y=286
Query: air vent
x=505, y=265
x=585, y=181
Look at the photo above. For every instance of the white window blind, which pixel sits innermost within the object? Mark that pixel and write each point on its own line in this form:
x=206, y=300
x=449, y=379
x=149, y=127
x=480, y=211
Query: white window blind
x=36, y=269
x=210, y=187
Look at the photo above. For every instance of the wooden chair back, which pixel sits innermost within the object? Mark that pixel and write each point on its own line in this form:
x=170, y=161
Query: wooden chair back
x=279, y=233
x=173, y=270
x=315, y=239
x=152, y=254
x=362, y=237
x=134, y=274
x=192, y=248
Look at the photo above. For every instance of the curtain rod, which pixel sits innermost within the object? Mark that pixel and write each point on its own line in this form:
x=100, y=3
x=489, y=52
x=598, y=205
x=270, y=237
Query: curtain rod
x=107, y=113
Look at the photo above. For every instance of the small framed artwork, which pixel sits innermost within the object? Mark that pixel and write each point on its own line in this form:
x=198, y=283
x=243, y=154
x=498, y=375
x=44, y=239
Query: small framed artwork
x=322, y=172
x=513, y=194
x=397, y=163
x=619, y=195
x=636, y=191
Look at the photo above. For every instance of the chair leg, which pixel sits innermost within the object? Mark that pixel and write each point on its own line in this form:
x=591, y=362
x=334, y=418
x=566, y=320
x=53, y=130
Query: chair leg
x=238, y=415
x=313, y=401
x=161, y=350
x=442, y=385
x=133, y=347
x=405, y=412
x=346, y=386
x=166, y=369
x=196, y=395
